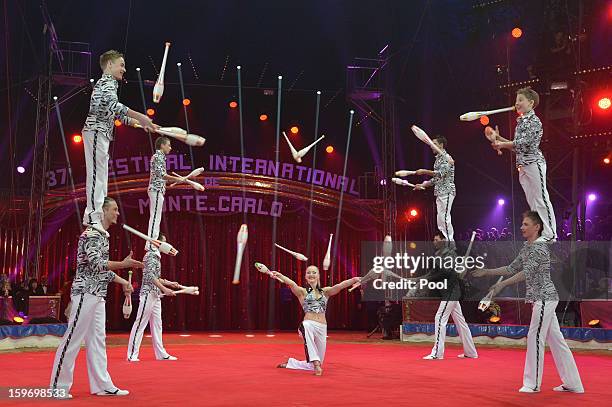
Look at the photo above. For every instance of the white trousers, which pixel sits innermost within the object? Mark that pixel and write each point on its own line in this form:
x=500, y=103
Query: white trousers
x=445, y=310
x=315, y=341
x=533, y=180
x=156, y=203
x=149, y=311
x=87, y=322
x=544, y=328
x=444, y=205
x=96, y=146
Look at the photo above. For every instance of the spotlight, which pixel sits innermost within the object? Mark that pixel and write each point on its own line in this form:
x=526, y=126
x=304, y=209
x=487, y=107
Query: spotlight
x=77, y=138
x=494, y=319
x=263, y=117
x=592, y=197
x=329, y=149
x=294, y=130
x=20, y=169
x=604, y=103
x=594, y=323
x=501, y=202
x=412, y=245
x=383, y=182
x=606, y=160
x=118, y=123
x=18, y=320
x=484, y=120
x=411, y=214
x=233, y=104
x=150, y=112
x=517, y=32
x=186, y=102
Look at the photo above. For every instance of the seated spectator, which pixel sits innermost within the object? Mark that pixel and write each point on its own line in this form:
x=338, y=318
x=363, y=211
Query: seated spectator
x=6, y=290
x=34, y=289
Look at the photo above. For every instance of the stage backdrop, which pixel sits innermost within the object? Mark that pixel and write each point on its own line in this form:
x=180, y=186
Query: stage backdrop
x=203, y=227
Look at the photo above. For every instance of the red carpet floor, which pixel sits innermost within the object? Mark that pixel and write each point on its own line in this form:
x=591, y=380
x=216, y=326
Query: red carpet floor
x=236, y=370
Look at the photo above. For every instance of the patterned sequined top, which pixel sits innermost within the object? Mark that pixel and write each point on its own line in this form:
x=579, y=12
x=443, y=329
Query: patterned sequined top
x=151, y=271
x=104, y=107
x=92, y=274
x=444, y=178
x=313, y=304
x=534, y=260
x=527, y=136
x=158, y=171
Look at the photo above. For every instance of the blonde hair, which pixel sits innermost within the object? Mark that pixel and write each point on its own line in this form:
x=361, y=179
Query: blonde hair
x=110, y=55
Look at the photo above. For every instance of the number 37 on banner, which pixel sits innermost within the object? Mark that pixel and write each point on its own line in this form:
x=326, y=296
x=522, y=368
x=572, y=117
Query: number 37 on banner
x=56, y=177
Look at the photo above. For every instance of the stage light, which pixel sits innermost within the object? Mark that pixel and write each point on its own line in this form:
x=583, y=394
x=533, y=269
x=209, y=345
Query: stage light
x=186, y=102
x=484, y=120
x=501, y=202
x=412, y=245
x=592, y=197
x=329, y=149
x=594, y=323
x=606, y=160
x=150, y=112
x=249, y=335
x=77, y=138
x=295, y=130
x=604, y=103
x=20, y=169
x=118, y=123
x=411, y=214
x=233, y=104
x=517, y=32
x=383, y=182
x=263, y=117
x=18, y=320
x=494, y=319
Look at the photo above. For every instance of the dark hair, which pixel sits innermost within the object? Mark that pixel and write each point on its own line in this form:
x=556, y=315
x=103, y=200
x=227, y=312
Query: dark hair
x=535, y=217
x=442, y=140
x=160, y=141
x=107, y=201
x=32, y=281
x=160, y=235
x=440, y=235
x=530, y=94
x=110, y=55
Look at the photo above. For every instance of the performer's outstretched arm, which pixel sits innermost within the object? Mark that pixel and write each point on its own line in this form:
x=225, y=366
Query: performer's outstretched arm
x=295, y=289
x=330, y=291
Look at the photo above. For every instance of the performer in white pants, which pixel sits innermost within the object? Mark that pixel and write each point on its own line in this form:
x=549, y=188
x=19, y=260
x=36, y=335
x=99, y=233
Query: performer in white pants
x=104, y=108
x=449, y=305
x=88, y=315
x=314, y=327
x=149, y=308
x=444, y=187
x=530, y=161
x=533, y=266
x=157, y=186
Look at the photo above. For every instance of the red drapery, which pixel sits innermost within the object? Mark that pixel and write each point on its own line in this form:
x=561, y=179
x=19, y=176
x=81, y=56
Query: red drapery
x=207, y=245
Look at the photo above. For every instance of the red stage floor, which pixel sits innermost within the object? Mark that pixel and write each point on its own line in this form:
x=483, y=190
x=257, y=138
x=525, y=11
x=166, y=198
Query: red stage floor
x=236, y=370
